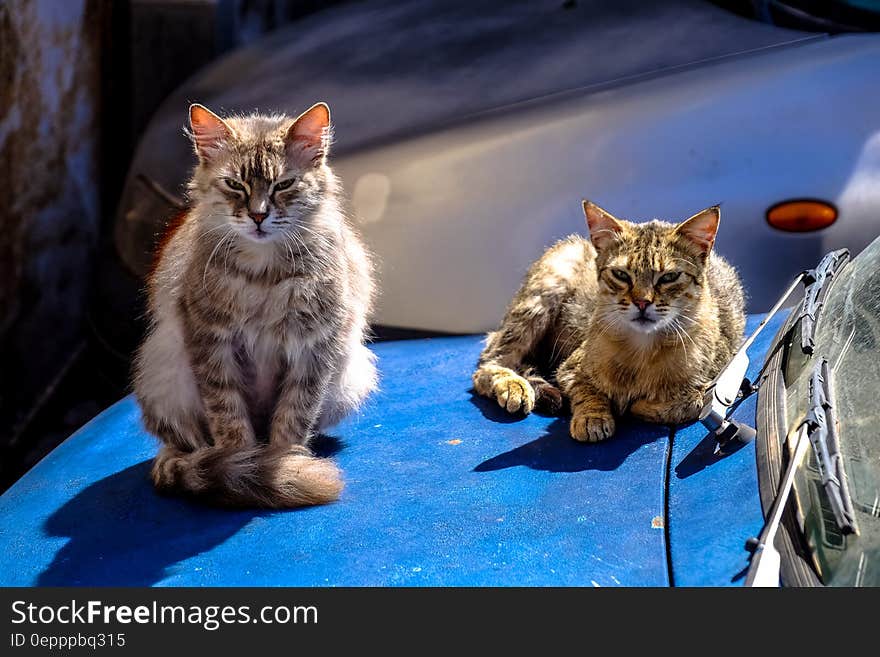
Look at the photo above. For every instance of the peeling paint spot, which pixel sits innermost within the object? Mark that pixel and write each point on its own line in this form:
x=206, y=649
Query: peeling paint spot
x=582, y=518
x=595, y=584
x=454, y=441
x=657, y=522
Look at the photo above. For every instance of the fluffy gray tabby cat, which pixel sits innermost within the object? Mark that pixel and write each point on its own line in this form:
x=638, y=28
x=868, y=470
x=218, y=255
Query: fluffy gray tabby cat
x=258, y=305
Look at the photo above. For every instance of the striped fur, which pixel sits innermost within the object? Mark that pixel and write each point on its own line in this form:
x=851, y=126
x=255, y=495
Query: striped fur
x=258, y=308
x=575, y=333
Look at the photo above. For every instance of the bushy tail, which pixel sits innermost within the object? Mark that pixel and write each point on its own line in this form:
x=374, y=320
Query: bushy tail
x=268, y=477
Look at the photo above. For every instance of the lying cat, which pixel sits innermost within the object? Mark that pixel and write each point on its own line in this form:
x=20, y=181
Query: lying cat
x=258, y=308
x=638, y=319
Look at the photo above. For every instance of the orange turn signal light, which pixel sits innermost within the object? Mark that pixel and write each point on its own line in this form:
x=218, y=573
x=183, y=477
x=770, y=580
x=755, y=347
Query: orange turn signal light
x=802, y=215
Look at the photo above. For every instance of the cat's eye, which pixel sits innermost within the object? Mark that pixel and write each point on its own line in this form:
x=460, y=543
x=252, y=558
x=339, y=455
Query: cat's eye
x=669, y=277
x=621, y=275
x=283, y=184
x=232, y=183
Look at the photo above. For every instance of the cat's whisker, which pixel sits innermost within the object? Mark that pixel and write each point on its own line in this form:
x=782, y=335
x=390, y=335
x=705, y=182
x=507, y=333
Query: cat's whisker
x=678, y=260
x=611, y=321
x=683, y=345
x=553, y=348
x=304, y=246
x=211, y=230
x=289, y=243
x=210, y=257
x=289, y=248
x=229, y=246
x=677, y=326
x=566, y=345
x=686, y=317
x=311, y=231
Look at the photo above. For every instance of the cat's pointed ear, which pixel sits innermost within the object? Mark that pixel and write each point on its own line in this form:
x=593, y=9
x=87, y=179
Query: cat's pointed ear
x=209, y=132
x=604, y=228
x=308, y=139
x=700, y=229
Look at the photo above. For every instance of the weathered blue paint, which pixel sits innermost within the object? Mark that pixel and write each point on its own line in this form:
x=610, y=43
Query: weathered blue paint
x=714, y=505
x=442, y=489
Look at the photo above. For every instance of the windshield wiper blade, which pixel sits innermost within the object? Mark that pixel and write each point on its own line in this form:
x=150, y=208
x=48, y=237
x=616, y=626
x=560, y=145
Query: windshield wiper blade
x=821, y=425
x=818, y=282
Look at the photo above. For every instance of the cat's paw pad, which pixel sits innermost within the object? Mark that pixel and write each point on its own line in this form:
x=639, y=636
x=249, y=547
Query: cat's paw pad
x=591, y=428
x=514, y=393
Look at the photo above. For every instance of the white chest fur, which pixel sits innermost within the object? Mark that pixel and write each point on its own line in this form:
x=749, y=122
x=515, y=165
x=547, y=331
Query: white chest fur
x=273, y=337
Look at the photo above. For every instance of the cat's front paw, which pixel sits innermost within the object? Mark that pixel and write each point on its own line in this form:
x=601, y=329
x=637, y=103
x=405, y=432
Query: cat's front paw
x=514, y=393
x=591, y=428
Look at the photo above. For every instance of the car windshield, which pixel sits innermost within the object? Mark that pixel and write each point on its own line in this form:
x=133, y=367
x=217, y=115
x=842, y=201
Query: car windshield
x=848, y=336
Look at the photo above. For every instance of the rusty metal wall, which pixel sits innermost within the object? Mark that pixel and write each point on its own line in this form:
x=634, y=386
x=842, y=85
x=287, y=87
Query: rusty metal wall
x=50, y=86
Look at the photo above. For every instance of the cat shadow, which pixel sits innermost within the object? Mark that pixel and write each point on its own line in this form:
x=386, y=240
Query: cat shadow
x=490, y=410
x=123, y=533
x=326, y=446
x=556, y=451
x=703, y=455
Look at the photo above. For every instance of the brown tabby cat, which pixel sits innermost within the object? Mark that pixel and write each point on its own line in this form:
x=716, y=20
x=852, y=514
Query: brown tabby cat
x=640, y=318
x=258, y=305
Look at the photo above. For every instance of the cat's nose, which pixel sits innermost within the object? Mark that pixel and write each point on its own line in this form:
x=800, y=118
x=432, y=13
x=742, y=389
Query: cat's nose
x=641, y=304
x=257, y=217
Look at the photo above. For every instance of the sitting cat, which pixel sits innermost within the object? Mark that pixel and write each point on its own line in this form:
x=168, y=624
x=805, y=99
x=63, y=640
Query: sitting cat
x=258, y=306
x=638, y=319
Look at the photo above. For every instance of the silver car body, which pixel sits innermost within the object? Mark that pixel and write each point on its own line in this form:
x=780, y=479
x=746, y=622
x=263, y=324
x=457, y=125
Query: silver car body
x=458, y=203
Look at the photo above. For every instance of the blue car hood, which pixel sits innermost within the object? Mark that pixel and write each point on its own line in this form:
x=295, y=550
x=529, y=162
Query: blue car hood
x=442, y=488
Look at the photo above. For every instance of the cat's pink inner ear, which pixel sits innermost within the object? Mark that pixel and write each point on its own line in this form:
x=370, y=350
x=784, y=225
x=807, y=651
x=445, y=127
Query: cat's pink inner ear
x=209, y=131
x=604, y=228
x=309, y=137
x=701, y=229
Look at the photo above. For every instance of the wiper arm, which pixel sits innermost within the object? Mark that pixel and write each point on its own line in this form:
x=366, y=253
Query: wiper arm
x=821, y=423
x=731, y=385
x=765, y=561
x=818, y=429
x=818, y=282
